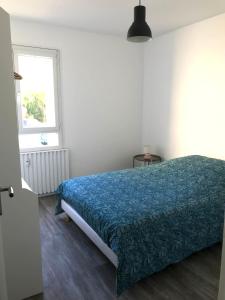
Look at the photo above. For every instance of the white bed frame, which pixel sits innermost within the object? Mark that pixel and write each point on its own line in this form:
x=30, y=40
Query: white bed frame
x=90, y=232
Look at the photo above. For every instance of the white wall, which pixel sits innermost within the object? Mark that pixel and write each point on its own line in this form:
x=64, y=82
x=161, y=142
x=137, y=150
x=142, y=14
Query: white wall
x=101, y=83
x=184, y=91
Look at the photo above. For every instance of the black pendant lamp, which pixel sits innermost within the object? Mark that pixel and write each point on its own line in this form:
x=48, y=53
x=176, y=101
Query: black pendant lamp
x=139, y=31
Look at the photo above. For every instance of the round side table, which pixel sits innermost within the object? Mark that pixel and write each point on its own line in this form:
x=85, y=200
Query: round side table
x=147, y=161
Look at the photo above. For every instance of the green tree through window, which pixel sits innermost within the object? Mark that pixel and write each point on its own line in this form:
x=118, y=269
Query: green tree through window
x=35, y=106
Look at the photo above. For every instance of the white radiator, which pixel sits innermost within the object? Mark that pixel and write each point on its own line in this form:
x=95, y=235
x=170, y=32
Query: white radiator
x=45, y=170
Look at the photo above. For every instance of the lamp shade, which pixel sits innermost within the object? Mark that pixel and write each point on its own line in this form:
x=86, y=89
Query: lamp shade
x=146, y=149
x=139, y=30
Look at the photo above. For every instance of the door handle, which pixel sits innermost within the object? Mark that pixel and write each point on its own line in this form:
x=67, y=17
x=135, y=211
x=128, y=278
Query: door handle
x=10, y=191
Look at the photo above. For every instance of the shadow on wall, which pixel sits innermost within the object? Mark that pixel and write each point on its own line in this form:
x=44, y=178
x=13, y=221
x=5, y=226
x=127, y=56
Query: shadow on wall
x=184, y=91
x=158, y=96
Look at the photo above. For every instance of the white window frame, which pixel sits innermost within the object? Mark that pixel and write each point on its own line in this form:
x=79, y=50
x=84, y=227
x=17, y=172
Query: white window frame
x=54, y=54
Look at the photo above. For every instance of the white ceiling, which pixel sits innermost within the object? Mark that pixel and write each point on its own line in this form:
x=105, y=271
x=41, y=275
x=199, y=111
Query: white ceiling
x=114, y=16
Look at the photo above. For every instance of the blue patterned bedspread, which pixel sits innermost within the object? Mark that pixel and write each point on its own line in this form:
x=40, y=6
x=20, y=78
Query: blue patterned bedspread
x=152, y=216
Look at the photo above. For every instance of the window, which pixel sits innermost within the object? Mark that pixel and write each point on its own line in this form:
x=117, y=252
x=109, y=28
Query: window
x=37, y=97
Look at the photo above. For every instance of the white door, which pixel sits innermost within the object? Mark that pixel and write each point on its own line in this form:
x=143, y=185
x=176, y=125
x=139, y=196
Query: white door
x=20, y=257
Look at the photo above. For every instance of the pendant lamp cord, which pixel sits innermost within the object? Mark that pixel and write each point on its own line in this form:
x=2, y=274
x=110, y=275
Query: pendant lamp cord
x=139, y=2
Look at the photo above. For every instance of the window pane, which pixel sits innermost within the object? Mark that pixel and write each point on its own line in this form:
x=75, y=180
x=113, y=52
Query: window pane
x=38, y=140
x=37, y=91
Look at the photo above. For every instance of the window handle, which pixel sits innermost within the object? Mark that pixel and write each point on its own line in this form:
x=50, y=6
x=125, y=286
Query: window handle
x=10, y=191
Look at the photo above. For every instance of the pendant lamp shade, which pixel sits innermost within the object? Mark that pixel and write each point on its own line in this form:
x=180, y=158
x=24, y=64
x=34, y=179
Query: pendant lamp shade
x=139, y=30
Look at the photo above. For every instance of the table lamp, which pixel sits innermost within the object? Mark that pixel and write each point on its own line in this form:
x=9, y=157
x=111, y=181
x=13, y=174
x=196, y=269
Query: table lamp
x=147, y=153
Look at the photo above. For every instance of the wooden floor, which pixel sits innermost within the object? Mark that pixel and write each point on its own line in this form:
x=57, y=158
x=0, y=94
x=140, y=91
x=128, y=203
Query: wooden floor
x=74, y=269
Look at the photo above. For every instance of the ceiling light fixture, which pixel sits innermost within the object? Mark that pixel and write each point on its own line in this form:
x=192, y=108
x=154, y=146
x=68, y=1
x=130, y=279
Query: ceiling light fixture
x=139, y=30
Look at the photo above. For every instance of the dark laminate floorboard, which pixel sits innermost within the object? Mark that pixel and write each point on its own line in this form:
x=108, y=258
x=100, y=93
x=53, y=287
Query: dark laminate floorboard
x=74, y=269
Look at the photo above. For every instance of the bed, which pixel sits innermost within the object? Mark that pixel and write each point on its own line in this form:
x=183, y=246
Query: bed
x=146, y=218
